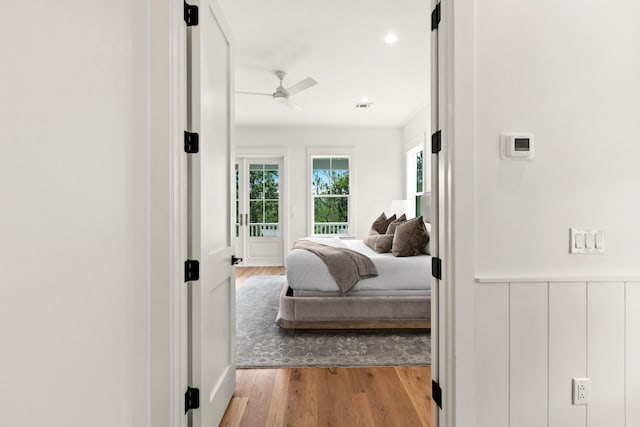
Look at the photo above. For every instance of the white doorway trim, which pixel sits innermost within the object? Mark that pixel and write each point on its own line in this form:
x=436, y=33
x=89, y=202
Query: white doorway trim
x=274, y=152
x=456, y=206
x=168, y=215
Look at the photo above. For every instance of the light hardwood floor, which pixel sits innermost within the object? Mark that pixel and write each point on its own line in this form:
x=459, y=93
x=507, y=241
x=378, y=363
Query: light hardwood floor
x=336, y=397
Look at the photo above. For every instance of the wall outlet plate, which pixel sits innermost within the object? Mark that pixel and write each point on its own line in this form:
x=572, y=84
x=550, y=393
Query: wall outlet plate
x=580, y=394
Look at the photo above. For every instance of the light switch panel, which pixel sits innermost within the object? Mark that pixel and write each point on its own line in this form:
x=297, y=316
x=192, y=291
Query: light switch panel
x=586, y=241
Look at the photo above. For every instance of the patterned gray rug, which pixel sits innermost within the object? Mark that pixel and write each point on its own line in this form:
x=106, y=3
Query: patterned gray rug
x=261, y=344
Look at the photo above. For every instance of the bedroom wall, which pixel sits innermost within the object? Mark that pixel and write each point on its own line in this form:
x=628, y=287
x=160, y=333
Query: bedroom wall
x=415, y=127
x=417, y=131
x=379, y=162
x=74, y=220
x=542, y=316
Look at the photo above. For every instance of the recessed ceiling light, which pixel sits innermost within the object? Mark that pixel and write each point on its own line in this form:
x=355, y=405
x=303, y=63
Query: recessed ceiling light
x=391, y=38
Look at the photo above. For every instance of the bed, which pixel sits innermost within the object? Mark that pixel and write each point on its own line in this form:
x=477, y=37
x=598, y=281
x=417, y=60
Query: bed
x=399, y=297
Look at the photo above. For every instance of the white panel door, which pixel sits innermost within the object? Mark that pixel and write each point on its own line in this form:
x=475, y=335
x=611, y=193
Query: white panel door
x=212, y=297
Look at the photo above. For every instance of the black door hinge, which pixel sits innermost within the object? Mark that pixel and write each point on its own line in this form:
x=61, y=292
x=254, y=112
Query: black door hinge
x=436, y=393
x=436, y=268
x=191, y=399
x=191, y=142
x=435, y=17
x=191, y=270
x=436, y=142
x=190, y=14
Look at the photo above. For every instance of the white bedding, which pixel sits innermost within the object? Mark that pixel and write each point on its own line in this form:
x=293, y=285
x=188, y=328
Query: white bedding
x=306, y=272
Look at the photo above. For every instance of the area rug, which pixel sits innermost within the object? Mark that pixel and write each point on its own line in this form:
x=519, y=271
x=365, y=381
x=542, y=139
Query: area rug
x=262, y=344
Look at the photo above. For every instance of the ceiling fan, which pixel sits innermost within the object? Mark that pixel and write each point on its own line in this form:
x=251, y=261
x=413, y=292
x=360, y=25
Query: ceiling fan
x=283, y=95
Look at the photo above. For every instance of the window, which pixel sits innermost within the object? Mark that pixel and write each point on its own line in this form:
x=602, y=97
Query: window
x=418, y=179
x=331, y=195
x=264, y=194
x=419, y=188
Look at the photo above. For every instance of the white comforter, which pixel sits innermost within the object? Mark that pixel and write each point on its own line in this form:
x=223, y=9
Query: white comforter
x=306, y=272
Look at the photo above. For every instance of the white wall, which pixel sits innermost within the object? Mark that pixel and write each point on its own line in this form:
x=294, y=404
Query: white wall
x=417, y=132
x=379, y=160
x=74, y=218
x=570, y=77
x=578, y=91
x=416, y=126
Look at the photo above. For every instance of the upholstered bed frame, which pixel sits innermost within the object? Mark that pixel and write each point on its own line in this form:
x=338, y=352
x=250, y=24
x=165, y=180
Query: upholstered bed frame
x=353, y=312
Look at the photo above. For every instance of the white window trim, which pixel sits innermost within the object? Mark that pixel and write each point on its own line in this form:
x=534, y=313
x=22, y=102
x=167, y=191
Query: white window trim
x=418, y=144
x=340, y=152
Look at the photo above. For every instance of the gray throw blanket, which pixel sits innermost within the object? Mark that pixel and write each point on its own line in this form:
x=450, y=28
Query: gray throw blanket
x=345, y=265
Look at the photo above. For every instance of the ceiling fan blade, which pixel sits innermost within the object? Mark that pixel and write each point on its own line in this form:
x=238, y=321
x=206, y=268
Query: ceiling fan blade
x=302, y=85
x=295, y=107
x=255, y=93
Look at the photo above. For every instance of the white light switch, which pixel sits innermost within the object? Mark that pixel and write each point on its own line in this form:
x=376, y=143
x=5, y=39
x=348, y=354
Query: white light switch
x=590, y=240
x=586, y=241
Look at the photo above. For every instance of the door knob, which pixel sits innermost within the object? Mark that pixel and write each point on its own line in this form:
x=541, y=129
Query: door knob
x=235, y=260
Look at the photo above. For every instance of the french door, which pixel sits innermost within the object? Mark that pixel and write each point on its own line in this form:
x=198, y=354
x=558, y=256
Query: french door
x=259, y=216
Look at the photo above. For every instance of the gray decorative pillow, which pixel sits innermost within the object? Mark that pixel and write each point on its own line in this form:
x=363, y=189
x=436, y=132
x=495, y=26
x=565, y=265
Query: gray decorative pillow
x=393, y=224
x=384, y=243
x=370, y=239
x=380, y=243
x=382, y=223
x=410, y=238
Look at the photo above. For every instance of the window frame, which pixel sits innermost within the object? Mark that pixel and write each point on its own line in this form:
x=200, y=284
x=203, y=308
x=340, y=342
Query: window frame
x=332, y=153
x=412, y=170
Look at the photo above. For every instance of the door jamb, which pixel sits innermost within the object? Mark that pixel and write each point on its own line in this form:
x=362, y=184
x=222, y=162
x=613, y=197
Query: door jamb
x=178, y=214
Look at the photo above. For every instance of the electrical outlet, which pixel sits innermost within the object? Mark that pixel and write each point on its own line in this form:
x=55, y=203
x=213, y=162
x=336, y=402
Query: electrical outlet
x=580, y=394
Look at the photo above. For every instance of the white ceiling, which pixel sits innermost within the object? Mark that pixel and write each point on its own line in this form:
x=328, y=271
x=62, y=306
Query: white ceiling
x=339, y=43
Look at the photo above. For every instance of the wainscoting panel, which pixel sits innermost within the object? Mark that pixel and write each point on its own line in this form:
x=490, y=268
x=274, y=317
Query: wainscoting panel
x=605, y=346
x=533, y=338
x=528, y=340
x=567, y=351
x=492, y=352
x=633, y=353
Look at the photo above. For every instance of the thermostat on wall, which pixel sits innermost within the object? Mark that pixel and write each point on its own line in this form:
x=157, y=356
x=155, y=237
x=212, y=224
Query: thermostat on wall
x=516, y=146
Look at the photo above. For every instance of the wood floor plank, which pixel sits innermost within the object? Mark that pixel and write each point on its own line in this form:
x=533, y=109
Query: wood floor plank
x=260, y=397
x=244, y=382
x=278, y=405
x=416, y=382
x=389, y=400
x=234, y=412
x=302, y=402
x=362, y=410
